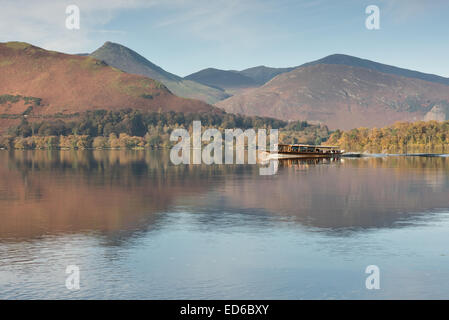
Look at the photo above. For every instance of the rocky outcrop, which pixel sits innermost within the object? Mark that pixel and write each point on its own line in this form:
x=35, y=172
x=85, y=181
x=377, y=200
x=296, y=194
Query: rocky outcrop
x=439, y=112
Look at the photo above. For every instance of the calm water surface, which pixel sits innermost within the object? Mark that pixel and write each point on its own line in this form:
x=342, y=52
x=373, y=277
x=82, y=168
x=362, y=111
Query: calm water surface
x=139, y=227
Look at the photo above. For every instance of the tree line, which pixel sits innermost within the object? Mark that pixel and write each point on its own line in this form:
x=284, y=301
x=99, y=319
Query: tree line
x=415, y=137
x=135, y=129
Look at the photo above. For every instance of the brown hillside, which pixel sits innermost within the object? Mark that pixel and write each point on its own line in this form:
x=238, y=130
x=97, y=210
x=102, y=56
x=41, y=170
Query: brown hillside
x=70, y=83
x=340, y=96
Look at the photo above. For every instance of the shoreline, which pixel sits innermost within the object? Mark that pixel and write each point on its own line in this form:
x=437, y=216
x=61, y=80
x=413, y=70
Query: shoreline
x=347, y=155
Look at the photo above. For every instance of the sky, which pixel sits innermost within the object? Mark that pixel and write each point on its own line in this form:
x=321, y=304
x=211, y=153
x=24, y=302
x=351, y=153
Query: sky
x=185, y=36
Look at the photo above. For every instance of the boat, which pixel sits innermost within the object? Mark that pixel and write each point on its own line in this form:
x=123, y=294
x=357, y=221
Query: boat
x=290, y=151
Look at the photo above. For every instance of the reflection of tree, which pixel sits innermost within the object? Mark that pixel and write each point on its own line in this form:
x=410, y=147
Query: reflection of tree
x=102, y=191
x=121, y=193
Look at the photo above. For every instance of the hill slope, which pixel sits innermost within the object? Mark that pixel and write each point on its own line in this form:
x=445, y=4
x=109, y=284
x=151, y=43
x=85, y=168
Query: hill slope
x=262, y=74
x=235, y=82
x=340, y=96
x=49, y=82
x=347, y=60
x=224, y=79
x=130, y=61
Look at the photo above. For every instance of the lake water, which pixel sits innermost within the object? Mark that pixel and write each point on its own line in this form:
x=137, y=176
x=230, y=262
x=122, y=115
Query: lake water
x=139, y=227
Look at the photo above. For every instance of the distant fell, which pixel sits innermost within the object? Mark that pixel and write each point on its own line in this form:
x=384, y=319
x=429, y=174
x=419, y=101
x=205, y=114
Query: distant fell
x=263, y=74
x=343, y=96
x=125, y=59
x=347, y=60
x=223, y=79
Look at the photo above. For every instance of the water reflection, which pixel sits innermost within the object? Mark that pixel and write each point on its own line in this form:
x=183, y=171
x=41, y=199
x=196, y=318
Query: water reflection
x=140, y=227
x=59, y=192
x=52, y=192
x=349, y=193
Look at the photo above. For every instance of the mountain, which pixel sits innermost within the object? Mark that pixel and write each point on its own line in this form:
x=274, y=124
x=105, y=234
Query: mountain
x=347, y=60
x=342, y=96
x=40, y=82
x=223, y=79
x=262, y=74
x=130, y=61
x=235, y=82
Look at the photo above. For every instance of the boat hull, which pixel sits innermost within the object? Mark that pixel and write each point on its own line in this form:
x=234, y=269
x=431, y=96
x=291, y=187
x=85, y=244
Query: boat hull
x=301, y=155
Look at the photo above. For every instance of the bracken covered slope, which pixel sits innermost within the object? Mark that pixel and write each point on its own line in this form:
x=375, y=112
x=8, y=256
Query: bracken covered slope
x=41, y=82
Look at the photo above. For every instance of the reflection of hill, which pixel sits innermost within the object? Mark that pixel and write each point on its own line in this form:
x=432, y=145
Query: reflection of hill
x=120, y=193
x=62, y=192
x=356, y=193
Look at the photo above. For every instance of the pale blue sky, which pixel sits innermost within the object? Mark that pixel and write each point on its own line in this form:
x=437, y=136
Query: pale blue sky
x=184, y=36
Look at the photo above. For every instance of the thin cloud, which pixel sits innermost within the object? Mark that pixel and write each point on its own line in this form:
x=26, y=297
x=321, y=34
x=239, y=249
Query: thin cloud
x=43, y=22
x=404, y=11
x=223, y=22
